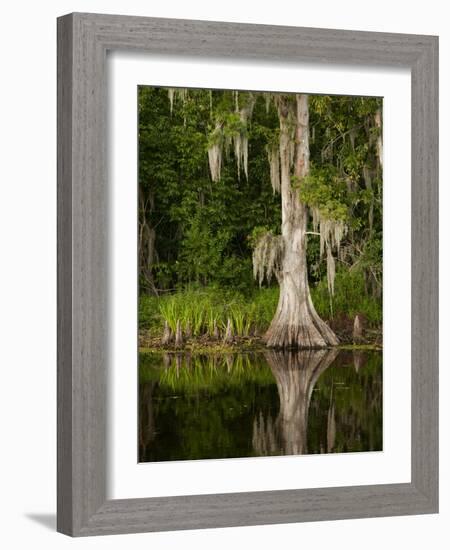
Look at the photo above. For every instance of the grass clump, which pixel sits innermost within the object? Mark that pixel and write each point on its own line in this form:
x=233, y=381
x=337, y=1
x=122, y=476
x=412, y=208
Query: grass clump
x=207, y=312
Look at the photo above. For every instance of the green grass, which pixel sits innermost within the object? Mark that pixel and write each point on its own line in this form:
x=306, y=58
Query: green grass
x=201, y=310
x=350, y=298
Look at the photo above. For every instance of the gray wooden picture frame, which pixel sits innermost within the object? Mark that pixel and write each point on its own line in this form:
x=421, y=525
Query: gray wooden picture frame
x=83, y=41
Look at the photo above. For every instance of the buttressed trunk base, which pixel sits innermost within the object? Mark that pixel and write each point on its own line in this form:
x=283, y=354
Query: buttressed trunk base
x=296, y=323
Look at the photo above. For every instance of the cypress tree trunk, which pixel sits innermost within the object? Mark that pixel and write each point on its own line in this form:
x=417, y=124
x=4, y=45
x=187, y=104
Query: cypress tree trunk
x=296, y=322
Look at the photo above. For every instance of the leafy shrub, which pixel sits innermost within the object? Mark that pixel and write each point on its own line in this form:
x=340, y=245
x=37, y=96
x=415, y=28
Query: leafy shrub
x=349, y=299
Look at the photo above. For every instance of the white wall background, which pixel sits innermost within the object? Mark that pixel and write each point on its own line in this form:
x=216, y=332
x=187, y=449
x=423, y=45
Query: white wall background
x=28, y=270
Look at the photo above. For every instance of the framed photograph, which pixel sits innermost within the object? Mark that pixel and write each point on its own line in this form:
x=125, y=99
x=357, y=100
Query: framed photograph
x=247, y=274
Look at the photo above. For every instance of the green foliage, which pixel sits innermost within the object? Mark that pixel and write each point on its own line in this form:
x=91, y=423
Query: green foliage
x=197, y=262
x=325, y=189
x=350, y=298
x=202, y=228
x=201, y=309
x=257, y=233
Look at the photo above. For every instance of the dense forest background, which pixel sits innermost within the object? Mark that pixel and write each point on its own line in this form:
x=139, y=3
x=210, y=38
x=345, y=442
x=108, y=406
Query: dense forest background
x=198, y=233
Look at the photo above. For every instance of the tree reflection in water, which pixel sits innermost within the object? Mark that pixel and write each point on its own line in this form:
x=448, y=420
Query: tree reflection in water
x=296, y=374
x=259, y=404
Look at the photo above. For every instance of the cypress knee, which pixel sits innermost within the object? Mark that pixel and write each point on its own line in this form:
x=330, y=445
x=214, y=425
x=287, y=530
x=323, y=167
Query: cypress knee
x=178, y=336
x=358, y=330
x=228, y=338
x=167, y=334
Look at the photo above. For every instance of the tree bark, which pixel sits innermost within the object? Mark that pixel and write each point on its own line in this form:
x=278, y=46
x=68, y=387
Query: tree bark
x=296, y=323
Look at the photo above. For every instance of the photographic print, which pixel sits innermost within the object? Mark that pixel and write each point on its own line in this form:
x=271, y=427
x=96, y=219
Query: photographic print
x=260, y=274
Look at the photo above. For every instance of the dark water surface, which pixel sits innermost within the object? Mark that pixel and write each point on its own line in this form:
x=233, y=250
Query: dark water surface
x=259, y=404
